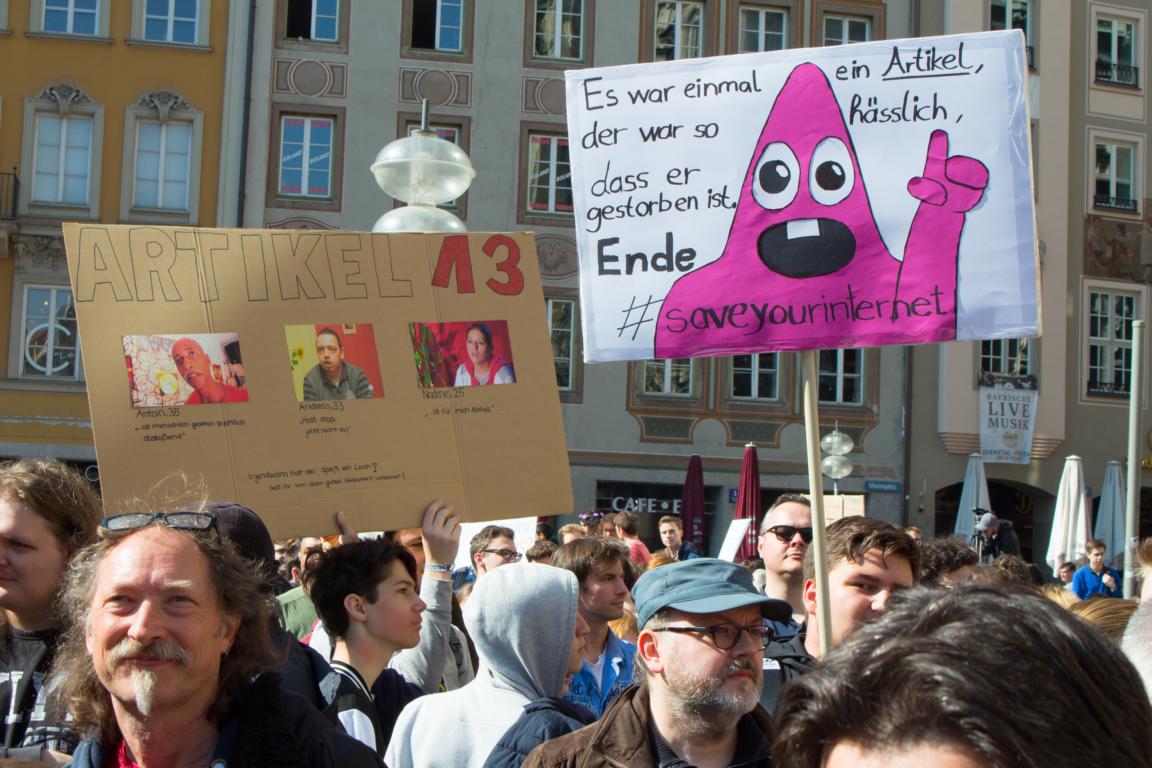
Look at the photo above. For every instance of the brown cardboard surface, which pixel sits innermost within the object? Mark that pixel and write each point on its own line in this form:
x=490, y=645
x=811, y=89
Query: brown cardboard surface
x=842, y=505
x=492, y=451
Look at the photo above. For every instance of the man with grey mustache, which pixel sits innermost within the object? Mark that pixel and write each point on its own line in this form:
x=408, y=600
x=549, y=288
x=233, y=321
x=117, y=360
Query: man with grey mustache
x=699, y=660
x=163, y=658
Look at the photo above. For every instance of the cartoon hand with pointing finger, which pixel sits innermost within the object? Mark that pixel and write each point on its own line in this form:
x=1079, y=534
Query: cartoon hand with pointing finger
x=955, y=183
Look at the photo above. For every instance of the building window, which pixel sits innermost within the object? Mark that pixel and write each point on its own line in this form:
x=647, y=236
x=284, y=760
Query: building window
x=1010, y=356
x=162, y=167
x=306, y=156
x=72, y=17
x=61, y=141
x=1015, y=14
x=763, y=29
x=1116, y=62
x=163, y=137
x=1109, y=335
x=549, y=175
x=438, y=25
x=679, y=31
x=841, y=376
x=1115, y=177
x=63, y=159
x=316, y=20
x=668, y=377
x=559, y=30
x=50, y=346
x=171, y=21
x=756, y=376
x=562, y=326
x=840, y=30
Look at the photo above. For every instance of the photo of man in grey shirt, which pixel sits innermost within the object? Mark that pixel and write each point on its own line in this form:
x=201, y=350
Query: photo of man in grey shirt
x=332, y=378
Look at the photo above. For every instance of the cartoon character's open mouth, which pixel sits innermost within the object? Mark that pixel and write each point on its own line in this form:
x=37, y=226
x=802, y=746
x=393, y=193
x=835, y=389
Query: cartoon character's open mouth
x=806, y=247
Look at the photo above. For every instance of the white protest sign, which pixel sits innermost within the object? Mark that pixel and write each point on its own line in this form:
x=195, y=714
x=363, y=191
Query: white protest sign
x=734, y=538
x=523, y=527
x=853, y=196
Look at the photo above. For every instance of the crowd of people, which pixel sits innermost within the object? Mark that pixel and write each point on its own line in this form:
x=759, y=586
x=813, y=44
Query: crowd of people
x=183, y=635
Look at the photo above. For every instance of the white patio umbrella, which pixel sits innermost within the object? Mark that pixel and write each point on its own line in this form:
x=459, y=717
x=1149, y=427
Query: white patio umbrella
x=973, y=495
x=1070, y=529
x=1110, y=516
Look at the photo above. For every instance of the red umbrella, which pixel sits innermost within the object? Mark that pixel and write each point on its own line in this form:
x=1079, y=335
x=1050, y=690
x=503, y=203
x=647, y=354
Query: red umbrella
x=692, y=504
x=748, y=501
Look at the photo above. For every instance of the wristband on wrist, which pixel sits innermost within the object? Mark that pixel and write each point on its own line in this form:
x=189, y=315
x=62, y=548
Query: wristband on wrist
x=437, y=568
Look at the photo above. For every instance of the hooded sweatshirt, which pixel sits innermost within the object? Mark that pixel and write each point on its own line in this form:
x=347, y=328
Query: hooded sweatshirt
x=521, y=619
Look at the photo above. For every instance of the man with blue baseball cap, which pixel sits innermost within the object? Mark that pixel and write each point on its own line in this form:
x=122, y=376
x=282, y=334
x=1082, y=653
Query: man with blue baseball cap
x=699, y=666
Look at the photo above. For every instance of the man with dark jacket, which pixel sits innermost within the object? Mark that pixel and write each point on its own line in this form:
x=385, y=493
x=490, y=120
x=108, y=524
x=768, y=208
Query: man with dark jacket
x=699, y=657
x=163, y=663
x=868, y=560
x=994, y=537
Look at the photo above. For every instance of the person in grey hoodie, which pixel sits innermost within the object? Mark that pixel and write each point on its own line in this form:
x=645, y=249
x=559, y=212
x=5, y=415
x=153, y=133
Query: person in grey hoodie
x=522, y=619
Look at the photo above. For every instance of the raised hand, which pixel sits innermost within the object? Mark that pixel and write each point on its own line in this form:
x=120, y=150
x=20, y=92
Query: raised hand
x=441, y=533
x=955, y=183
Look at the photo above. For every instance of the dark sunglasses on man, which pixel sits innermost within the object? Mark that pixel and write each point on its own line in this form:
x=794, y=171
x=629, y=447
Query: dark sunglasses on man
x=785, y=533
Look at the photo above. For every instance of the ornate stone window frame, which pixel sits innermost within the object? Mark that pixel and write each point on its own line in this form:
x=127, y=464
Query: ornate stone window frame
x=166, y=107
x=62, y=99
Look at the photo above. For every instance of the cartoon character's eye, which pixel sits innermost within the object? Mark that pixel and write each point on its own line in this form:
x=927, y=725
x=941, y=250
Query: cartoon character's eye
x=777, y=177
x=832, y=173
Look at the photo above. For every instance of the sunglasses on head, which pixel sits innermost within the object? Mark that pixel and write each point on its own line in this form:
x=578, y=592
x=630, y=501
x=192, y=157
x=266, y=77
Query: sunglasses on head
x=785, y=533
x=185, y=521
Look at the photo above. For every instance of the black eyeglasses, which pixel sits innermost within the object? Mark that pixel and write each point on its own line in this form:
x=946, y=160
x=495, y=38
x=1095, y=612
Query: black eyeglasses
x=785, y=533
x=186, y=521
x=508, y=555
x=726, y=636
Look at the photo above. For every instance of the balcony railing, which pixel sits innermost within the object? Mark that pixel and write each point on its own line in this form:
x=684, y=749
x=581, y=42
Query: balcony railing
x=1124, y=75
x=1105, y=203
x=9, y=192
x=1108, y=389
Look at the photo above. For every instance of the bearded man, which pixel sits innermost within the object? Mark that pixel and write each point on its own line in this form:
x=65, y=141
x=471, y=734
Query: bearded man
x=699, y=660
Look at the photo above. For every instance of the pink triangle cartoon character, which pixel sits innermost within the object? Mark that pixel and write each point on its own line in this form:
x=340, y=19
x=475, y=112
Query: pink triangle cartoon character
x=805, y=265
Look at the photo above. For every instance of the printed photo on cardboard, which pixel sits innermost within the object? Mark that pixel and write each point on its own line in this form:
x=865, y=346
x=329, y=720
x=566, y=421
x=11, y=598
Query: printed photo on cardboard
x=185, y=369
x=334, y=361
x=463, y=354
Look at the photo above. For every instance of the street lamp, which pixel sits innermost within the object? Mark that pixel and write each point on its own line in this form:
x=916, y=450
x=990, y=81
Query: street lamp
x=422, y=170
x=837, y=445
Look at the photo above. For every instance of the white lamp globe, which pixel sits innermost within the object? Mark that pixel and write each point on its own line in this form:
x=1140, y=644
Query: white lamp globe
x=836, y=467
x=418, y=218
x=423, y=169
x=837, y=443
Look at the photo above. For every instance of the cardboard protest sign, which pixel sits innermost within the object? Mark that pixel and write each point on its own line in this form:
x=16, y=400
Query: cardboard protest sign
x=842, y=505
x=853, y=196
x=304, y=372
